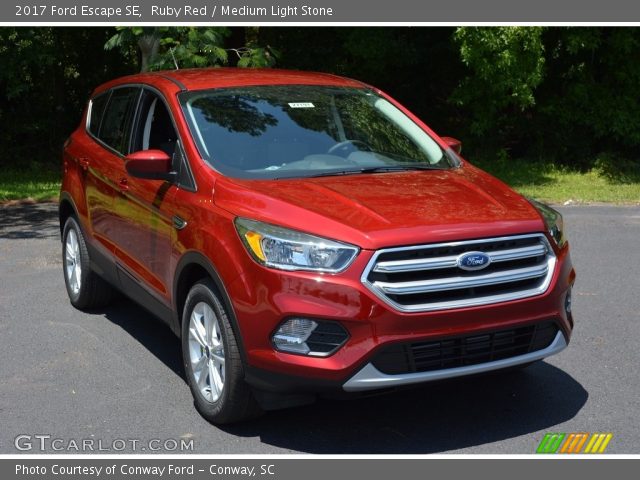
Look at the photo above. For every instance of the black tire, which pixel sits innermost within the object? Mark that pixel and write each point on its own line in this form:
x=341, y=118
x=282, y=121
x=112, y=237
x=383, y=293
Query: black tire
x=235, y=401
x=93, y=291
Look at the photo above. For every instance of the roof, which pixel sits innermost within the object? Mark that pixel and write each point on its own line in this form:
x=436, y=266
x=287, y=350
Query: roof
x=205, y=78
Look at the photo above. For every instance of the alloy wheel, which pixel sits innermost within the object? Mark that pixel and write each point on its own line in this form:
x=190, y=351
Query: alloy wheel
x=206, y=352
x=73, y=264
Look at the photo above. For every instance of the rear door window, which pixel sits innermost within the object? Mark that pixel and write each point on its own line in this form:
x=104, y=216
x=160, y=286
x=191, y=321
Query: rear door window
x=97, y=110
x=116, y=122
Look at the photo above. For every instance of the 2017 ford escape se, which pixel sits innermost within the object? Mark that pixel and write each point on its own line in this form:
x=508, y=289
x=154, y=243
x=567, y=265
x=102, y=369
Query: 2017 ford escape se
x=304, y=233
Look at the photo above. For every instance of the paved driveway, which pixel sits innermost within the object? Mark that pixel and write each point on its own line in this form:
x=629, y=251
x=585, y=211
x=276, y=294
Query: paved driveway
x=116, y=374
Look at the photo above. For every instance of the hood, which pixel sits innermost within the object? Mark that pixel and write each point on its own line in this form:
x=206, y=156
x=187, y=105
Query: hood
x=386, y=209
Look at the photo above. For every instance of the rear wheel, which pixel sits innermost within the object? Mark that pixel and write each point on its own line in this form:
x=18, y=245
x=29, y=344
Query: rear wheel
x=212, y=362
x=85, y=288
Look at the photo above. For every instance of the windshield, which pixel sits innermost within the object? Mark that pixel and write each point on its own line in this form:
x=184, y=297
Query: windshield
x=289, y=131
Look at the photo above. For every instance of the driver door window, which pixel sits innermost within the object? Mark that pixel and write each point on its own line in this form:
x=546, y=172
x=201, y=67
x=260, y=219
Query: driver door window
x=155, y=130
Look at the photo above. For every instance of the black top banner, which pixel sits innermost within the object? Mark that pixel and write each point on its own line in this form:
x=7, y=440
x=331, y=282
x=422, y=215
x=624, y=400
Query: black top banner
x=316, y=11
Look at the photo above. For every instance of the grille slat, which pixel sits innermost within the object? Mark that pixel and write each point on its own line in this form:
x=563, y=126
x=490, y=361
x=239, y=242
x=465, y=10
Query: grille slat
x=418, y=264
x=427, y=277
x=462, y=351
x=459, y=283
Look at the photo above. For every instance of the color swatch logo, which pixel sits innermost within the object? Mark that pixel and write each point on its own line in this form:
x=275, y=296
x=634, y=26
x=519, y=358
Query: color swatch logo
x=573, y=442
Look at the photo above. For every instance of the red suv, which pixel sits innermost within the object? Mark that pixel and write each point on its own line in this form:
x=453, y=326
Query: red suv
x=304, y=234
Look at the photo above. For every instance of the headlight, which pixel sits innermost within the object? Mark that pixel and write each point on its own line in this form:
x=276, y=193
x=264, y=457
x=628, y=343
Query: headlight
x=553, y=221
x=286, y=249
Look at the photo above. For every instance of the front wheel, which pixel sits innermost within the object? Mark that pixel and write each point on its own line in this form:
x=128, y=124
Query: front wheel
x=212, y=362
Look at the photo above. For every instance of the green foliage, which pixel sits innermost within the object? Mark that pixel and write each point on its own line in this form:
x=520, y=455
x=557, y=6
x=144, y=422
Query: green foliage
x=168, y=48
x=589, y=103
x=46, y=76
x=617, y=169
x=563, y=95
x=505, y=68
x=189, y=47
x=554, y=183
x=257, y=57
x=172, y=47
x=32, y=182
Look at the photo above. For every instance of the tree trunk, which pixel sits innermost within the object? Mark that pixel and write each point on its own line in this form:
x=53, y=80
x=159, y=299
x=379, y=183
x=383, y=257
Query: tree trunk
x=148, y=45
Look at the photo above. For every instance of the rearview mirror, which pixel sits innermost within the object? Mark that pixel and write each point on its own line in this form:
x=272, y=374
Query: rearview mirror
x=453, y=143
x=150, y=164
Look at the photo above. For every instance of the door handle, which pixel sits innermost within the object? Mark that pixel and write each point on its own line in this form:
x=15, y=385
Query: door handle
x=123, y=184
x=178, y=222
x=84, y=163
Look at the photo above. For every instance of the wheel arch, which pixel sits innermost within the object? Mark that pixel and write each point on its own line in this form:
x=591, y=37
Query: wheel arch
x=66, y=209
x=193, y=267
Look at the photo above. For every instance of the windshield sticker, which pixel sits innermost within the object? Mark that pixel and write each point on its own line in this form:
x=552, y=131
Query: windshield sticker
x=302, y=105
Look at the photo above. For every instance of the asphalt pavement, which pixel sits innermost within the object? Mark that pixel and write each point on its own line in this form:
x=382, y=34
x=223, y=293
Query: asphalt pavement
x=115, y=375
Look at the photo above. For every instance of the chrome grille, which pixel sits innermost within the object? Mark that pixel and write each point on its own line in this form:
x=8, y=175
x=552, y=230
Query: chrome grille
x=427, y=277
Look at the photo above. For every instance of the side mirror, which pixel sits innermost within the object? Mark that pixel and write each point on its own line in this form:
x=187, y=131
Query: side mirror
x=150, y=164
x=454, y=144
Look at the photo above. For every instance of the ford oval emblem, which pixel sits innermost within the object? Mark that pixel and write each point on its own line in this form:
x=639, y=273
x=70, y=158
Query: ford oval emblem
x=473, y=261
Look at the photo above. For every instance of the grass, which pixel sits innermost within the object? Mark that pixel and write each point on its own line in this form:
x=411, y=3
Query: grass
x=554, y=184
x=34, y=184
x=545, y=182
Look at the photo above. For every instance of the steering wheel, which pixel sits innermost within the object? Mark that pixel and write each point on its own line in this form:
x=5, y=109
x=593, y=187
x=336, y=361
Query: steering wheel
x=345, y=143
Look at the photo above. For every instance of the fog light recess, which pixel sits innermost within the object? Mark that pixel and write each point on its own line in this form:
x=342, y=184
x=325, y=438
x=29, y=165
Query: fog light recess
x=567, y=301
x=315, y=338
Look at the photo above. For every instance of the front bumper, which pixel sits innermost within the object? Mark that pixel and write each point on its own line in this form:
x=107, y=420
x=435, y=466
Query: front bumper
x=370, y=378
x=263, y=298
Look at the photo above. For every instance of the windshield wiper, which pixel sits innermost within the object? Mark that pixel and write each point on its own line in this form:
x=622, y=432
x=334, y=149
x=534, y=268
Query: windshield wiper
x=379, y=169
